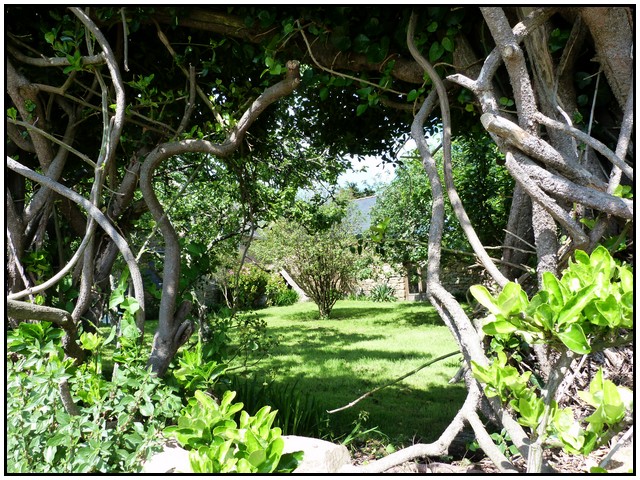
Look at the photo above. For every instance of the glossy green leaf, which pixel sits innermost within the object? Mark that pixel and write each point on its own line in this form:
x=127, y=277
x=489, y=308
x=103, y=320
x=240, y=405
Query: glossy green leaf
x=545, y=316
x=257, y=457
x=499, y=327
x=552, y=285
x=609, y=310
x=530, y=411
x=361, y=109
x=575, y=339
x=626, y=279
x=571, y=312
x=482, y=295
x=612, y=403
x=447, y=44
x=512, y=300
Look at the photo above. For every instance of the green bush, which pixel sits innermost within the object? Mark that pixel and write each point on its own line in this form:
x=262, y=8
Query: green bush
x=250, y=291
x=257, y=288
x=218, y=443
x=117, y=421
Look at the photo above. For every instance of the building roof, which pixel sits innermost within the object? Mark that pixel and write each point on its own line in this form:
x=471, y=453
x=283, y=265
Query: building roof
x=362, y=214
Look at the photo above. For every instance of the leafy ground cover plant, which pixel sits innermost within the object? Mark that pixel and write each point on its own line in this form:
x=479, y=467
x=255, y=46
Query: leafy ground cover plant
x=220, y=443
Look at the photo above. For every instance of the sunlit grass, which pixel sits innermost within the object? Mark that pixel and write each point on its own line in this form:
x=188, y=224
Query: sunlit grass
x=365, y=345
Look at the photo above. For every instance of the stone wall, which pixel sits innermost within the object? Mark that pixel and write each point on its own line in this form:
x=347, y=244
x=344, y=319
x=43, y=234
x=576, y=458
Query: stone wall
x=388, y=275
x=457, y=276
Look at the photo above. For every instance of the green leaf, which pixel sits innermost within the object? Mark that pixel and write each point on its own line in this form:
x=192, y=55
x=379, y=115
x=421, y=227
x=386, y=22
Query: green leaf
x=435, y=51
x=545, y=315
x=412, y=95
x=257, y=457
x=433, y=26
x=626, y=278
x=290, y=461
x=512, y=300
x=499, y=327
x=147, y=409
x=612, y=403
x=530, y=411
x=361, y=109
x=552, y=285
x=609, y=309
x=89, y=341
x=482, y=295
x=575, y=339
x=324, y=93
x=447, y=44
x=570, y=313
x=50, y=453
x=58, y=439
x=50, y=37
x=116, y=299
x=481, y=373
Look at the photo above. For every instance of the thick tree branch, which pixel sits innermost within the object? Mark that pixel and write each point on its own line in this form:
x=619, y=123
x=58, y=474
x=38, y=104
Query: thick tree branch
x=168, y=323
x=62, y=318
x=102, y=221
x=537, y=148
x=456, y=203
x=588, y=140
x=537, y=194
x=22, y=93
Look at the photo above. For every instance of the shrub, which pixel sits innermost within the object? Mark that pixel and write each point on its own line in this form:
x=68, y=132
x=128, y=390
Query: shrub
x=278, y=293
x=218, y=443
x=251, y=289
x=257, y=288
x=116, y=422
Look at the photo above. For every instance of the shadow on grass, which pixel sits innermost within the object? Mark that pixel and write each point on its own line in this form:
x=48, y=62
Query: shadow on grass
x=338, y=313
x=400, y=412
x=403, y=313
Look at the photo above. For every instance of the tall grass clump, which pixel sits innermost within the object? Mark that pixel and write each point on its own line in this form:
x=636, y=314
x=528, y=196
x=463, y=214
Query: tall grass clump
x=298, y=412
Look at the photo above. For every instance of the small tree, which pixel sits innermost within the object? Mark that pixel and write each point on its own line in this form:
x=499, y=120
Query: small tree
x=318, y=259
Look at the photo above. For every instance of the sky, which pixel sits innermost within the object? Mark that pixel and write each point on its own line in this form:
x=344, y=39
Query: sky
x=371, y=170
x=368, y=172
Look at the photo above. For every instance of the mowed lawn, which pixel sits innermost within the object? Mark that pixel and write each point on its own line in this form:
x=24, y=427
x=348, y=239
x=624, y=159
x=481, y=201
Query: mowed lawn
x=362, y=346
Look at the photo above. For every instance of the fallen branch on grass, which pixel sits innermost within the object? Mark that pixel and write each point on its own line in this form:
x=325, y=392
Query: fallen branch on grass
x=393, y=382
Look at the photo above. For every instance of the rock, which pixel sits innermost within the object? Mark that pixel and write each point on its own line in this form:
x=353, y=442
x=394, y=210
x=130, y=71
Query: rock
x=320, y=456
x=172, y=459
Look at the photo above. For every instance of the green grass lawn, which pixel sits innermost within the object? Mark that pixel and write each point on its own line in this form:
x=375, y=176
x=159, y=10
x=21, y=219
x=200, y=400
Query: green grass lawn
x=362, y=346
